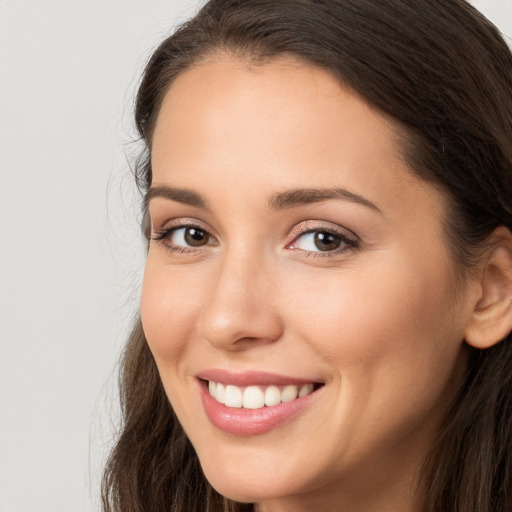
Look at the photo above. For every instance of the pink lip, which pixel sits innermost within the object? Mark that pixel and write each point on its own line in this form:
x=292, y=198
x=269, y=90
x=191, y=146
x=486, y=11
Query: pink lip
x=250, y=378
x=247, y=422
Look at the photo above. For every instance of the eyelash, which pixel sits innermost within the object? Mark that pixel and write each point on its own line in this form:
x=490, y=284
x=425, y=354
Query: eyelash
x=163, y=234
x=350, y=244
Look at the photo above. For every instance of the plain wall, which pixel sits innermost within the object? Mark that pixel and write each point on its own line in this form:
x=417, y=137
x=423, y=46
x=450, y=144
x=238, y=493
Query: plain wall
x=71, y=256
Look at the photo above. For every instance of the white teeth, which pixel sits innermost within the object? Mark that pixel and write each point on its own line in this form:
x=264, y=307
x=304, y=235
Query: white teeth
x=289, y=393
x=272, y=396
x=220, y=393
x=233, y=396
x=304, y=390
x=256, y=397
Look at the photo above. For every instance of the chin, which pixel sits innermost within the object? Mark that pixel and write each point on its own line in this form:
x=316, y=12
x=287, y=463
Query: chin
x=244, y=487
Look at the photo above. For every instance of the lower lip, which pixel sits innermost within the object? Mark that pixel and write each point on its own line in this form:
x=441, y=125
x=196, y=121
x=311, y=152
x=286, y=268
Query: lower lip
x=248, y=422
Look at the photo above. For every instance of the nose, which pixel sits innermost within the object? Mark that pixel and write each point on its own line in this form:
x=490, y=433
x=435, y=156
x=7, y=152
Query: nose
x=240, y=311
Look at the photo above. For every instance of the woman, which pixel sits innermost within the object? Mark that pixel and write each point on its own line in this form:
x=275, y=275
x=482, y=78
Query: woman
x=327, y=299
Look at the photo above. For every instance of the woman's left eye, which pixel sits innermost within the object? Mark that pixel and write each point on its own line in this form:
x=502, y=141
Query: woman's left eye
x=322, y=241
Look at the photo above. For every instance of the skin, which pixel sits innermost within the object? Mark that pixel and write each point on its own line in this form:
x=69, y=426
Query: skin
x=380, y=325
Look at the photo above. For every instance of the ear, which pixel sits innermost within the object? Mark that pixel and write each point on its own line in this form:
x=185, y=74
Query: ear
x=491, y=318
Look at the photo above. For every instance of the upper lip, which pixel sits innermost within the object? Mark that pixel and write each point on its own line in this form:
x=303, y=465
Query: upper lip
x=248, y=378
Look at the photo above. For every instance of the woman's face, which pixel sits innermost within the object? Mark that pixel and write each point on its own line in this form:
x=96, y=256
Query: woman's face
x=294, y=252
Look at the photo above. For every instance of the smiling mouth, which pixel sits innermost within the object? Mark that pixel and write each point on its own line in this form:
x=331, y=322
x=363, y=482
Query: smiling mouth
x=258, y=397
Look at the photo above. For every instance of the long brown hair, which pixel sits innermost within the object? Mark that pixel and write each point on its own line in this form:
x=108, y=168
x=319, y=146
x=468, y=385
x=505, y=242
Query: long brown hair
x=444, y=74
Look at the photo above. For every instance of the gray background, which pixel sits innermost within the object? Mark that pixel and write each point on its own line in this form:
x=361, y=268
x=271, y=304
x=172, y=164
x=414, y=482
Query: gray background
x=70, y=253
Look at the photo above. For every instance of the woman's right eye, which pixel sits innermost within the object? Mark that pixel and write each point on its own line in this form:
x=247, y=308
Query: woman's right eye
x=189, y=236
x=184, y=237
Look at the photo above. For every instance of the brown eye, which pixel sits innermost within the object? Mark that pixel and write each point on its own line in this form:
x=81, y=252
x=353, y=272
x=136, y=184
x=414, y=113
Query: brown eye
x=195, y=237
x=183, y=237
x=326, y=241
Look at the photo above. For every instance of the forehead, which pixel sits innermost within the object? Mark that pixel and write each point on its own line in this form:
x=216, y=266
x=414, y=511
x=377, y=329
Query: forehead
x=284, y=89
x=283, y=121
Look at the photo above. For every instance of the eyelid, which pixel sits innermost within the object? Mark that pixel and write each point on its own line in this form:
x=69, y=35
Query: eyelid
x=182, y=222
x=314, y=225
x=349, y=238
x=162, y=235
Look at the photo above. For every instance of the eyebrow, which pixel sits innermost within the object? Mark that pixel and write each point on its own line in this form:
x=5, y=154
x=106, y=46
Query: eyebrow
x=303, y=196
x=279, y=201
x=180, y=195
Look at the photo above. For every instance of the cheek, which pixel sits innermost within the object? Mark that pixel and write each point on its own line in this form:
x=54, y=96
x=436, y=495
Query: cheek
x=369, y=314
x=167, y=309
x=394, y=352
x=389, y=332
x=170, y=303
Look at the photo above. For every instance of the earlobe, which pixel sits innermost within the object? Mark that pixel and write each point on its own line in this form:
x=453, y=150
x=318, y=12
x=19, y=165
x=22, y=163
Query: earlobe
x=491, y=319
